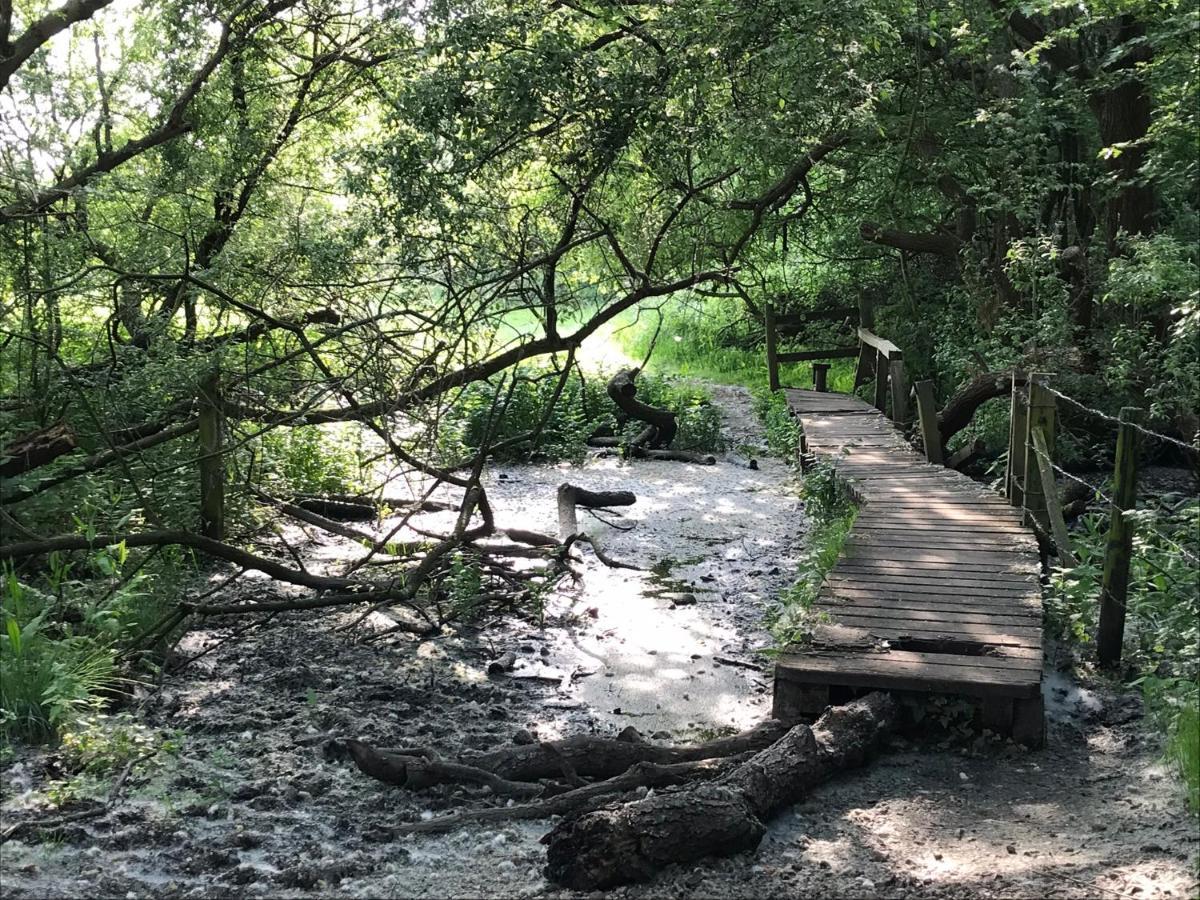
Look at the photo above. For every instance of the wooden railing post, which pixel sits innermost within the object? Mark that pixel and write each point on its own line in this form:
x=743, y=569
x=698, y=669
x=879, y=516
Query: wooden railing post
x=1040, y=415
x=1054, y=513
x=821, y=377
x=881, y=379
x=1114, y=588
x=866, y=319
x=772, y=347
x=212, y=464
x=927, y=417
x=1018, y=427
x=899, y=387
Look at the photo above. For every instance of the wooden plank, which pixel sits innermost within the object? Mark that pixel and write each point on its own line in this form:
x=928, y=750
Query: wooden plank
x=940, y=542
x=924, y=618
x=1058, y=527
x=927, y=418
x=809, y=355
x=884, y=347
x=930, y=554
x=866, y=573
x=983, y=661
x=906, y=676
x=950, y=571
x=876, y=586
x=979, y=634
x=938, y=526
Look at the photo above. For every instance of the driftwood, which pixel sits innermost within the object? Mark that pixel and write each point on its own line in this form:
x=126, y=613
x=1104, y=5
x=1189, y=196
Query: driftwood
x=631, y=842
x=37, y=448
x=661, y=426
x=570, y=496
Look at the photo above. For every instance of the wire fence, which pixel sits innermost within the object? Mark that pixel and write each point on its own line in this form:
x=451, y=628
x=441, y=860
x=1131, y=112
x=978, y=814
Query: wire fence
x=1138, y=521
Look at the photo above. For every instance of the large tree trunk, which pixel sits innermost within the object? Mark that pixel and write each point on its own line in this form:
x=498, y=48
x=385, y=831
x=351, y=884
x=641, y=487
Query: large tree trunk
x=631, y=842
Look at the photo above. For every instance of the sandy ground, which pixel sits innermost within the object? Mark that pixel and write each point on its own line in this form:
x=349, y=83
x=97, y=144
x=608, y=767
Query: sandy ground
x=251, y=804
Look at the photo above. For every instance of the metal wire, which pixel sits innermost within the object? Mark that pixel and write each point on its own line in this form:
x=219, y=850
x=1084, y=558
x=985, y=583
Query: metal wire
x=1191, y=448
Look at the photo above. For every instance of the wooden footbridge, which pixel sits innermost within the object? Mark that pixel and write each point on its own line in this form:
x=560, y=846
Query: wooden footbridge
x=937, y=587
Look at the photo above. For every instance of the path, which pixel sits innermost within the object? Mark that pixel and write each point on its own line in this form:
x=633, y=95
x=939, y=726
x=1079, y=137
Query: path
x=249, y=806
x=936, y=589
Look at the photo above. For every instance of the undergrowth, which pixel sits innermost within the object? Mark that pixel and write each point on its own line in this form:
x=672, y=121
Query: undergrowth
x=831, y=512
x=1162, y=626
x=523, y=430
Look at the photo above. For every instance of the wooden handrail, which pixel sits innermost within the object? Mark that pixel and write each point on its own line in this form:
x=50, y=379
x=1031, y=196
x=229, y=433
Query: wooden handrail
x=889, y=350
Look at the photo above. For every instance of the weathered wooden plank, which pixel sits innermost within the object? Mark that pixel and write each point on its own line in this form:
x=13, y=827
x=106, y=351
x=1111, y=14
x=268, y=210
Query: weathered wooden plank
x=842, y=605
x=1023, y=664
x=879, y=587
x=906, y=676
x=979, y=634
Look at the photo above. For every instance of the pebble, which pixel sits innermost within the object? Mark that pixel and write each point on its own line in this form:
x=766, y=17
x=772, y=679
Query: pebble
x=1012, y=849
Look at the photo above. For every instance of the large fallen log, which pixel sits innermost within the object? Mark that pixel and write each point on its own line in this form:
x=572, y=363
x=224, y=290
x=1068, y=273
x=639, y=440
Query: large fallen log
x=631, y=842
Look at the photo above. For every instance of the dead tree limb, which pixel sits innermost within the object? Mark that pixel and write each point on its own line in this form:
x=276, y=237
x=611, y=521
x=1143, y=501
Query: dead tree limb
x=643, y=774
x=960, y=408
x=570, y=496
x=633, y=841
x=416, y=772
x=661, y=426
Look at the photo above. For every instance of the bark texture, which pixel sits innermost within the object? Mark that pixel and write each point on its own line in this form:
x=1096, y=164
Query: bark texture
x=631, y=842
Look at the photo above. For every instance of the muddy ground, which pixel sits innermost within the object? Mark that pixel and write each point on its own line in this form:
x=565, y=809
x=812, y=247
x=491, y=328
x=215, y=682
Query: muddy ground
x=249, y=803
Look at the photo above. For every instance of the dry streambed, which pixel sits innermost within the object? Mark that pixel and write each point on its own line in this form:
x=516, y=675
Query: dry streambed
x=254, y=803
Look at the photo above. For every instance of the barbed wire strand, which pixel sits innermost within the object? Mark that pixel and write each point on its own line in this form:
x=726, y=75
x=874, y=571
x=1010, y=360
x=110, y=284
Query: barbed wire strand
x=1136, y=521
x=1191, y=448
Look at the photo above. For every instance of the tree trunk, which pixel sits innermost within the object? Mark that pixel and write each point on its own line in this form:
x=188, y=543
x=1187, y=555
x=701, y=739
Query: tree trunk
x=631, y=842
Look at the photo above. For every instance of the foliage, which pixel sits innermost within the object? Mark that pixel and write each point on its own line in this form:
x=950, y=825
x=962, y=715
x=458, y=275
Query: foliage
x=583, y=407
x=1162, y=627
x=831, y=512
x=782, y=431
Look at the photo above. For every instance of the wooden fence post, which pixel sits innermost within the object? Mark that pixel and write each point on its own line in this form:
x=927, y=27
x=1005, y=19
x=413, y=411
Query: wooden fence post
x=212, y=464
x=1039, y=415
x=866, y=319
x=1054, y=513
x=1114, y=588
x=1018, y=420
x=772, y=347
x=899, y=387
x=881, y=380
x=927, y=416
x=821, y=377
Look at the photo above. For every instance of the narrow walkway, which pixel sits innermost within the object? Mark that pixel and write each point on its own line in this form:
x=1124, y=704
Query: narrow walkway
x=937, y=587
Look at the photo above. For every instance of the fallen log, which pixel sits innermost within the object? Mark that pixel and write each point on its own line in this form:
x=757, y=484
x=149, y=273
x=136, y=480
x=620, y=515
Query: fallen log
x=570, y=496
x=661, y=426
x=966, y=454
x=631, y=842
x=37, y=448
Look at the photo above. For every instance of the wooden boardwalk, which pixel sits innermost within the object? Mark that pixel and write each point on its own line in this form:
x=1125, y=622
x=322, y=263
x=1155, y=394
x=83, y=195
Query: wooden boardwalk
x=936, y=590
